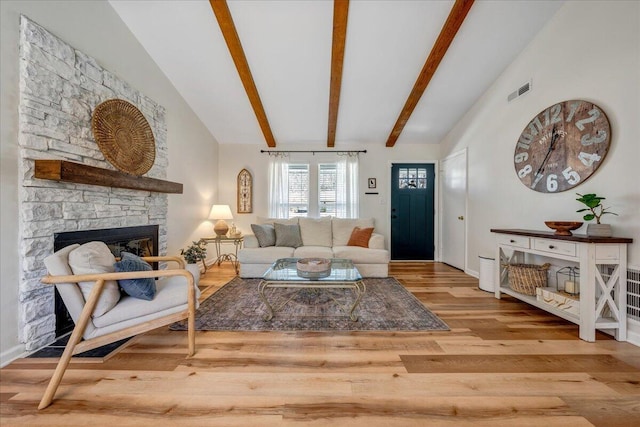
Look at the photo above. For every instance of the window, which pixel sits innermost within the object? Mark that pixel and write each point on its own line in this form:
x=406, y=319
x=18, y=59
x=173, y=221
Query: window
x=317, y=188
x=298, y=190
x=327, y=189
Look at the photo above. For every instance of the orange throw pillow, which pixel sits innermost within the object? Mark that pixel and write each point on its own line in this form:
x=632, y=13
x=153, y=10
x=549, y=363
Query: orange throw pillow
x=360, y=237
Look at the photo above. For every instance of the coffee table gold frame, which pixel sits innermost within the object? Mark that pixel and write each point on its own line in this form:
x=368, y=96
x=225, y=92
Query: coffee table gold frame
x=327, y=283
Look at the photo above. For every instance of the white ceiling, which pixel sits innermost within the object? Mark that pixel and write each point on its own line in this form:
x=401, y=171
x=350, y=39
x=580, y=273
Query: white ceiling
x=288, y=48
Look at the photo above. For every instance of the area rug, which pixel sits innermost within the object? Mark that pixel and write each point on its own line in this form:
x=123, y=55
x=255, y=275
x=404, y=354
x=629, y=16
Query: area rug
x=386, y=306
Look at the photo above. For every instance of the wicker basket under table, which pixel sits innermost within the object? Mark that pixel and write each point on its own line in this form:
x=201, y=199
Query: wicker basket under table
x=525, y=278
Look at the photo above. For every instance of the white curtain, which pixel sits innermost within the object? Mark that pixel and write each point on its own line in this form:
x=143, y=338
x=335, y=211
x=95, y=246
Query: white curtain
x=347, y=189
x=278, y=186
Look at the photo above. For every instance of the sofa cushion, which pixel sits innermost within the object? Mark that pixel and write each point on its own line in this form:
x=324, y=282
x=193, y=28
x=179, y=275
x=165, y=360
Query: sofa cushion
x=171, y=292
x=361, y=255
x=265, y=233
x=342, y=228
x=263, y=220
x=144, y=288
x=264, y=255
x=376, y=241
x=360, y=237
x=92, y=258
x=288, y=235
x=316, y=231
x=313, y=252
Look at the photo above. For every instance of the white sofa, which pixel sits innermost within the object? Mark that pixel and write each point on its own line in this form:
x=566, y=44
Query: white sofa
x=322, y=238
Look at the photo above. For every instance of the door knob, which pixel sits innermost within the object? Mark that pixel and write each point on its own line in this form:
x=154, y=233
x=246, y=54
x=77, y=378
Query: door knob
x=460, y=217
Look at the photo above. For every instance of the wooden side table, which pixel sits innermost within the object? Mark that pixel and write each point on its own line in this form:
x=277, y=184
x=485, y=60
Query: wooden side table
x=224, y=256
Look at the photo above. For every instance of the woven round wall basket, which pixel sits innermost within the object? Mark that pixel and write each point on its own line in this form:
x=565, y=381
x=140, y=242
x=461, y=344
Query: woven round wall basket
x=124, y=136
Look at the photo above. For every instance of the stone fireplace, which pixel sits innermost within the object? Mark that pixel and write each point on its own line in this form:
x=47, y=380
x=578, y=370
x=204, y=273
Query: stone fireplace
x=59, y=89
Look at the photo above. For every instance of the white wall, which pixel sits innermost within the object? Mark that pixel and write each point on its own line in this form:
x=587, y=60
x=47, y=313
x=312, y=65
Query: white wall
x=588, y=50
x=94, y=28
x=373, y=164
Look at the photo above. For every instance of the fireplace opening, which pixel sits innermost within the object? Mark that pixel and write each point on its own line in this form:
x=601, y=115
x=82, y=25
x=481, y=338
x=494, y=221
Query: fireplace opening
x=140, y=240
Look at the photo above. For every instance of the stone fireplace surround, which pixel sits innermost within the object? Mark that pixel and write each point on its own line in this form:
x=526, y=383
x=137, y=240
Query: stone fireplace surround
x=59, y=89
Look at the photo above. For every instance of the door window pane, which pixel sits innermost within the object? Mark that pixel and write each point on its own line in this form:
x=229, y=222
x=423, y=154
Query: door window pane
x=410, y=178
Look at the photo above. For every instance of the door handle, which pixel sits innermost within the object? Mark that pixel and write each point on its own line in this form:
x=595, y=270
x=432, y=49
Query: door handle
x=393, y=217
x=461, y=218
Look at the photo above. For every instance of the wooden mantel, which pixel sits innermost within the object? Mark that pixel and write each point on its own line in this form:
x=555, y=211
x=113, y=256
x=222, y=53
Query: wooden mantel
x=61, y=170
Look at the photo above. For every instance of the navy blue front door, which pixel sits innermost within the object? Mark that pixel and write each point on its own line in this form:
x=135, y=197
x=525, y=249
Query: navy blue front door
x=412, y=211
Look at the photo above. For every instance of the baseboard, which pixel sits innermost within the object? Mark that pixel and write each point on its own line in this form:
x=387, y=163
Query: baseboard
x=472, y=273
x=10, y=355
x=633, y=332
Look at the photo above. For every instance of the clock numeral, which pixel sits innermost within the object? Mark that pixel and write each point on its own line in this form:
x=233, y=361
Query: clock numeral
x=525, y=139
x=535, y=126
x=521, y=157
x=594, y=113
x=525, y=171
x=588, y=159
x=572, y=110
x=571, y=176
x=539, y=177
x=552, y=182
x=587, y=139
x=555, y=118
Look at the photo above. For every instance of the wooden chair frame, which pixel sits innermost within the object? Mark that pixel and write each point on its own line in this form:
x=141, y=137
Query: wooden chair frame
x=74, y=346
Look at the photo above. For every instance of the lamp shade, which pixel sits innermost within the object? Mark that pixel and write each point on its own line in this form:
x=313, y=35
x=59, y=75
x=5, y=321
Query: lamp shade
x=220, y=212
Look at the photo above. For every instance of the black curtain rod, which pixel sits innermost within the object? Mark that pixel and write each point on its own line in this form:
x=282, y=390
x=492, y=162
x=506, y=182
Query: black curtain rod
x=313, y=151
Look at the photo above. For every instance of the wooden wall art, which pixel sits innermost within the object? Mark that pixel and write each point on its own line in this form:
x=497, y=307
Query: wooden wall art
x=245, y=192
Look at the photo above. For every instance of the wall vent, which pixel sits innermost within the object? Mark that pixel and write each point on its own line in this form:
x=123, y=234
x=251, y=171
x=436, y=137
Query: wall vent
x=525, y=88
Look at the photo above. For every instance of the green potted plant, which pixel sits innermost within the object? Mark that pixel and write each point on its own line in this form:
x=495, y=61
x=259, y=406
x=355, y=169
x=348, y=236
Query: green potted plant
x=595, y=210
x=192, y=254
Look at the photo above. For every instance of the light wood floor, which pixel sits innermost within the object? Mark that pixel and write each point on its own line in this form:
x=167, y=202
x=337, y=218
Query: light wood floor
x=502, y=363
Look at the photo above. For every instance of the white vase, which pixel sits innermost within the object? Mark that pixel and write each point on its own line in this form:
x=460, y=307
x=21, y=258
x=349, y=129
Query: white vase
x=194, y=269
x=599, y=230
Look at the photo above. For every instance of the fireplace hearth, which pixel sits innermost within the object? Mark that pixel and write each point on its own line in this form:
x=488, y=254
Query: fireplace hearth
x=140, y=240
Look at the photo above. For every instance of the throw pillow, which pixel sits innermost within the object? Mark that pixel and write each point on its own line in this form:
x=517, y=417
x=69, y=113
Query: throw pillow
x=137, y=288
x=92, y=258
x=265, y=234
x=360, y=237
x=341, y=228
x=288, y=235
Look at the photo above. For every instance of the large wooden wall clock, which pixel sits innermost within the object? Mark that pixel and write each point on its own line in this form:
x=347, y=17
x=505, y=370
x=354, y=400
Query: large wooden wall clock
x=562, y=146
x=245, y=190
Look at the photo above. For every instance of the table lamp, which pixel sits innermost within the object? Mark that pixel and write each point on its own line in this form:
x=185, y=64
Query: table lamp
x=220, y=213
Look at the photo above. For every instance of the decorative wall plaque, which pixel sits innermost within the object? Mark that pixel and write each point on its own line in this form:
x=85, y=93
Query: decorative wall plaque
x=245, y=192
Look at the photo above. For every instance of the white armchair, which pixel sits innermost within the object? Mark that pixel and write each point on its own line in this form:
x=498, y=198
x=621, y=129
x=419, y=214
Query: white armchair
x=176, y=299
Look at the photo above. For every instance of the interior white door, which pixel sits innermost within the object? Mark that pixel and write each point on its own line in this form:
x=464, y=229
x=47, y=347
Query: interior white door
x=453, y=191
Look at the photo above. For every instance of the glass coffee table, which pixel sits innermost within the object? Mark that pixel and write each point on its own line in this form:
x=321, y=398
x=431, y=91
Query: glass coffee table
x=284, y=274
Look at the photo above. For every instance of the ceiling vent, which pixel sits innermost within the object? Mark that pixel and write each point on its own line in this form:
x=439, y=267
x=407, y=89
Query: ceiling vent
x=525, y=88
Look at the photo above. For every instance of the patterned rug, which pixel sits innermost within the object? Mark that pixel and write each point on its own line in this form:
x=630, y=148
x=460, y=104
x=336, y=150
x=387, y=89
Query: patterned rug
x=386, y=306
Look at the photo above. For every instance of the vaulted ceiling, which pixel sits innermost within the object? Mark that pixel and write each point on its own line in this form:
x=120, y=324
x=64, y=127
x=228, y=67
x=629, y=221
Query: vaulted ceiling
x=364, y=72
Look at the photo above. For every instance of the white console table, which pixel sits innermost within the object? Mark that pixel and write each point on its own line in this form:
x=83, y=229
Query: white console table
x=596, y=293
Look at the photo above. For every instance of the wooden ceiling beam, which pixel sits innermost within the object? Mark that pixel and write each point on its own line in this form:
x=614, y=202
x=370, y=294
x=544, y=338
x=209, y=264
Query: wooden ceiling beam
x=340, y=15
x=449, y=30
x=228, y=28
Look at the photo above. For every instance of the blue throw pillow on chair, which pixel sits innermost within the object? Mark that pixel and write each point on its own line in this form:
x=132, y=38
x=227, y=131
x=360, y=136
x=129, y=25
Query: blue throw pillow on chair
x=137, y=288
